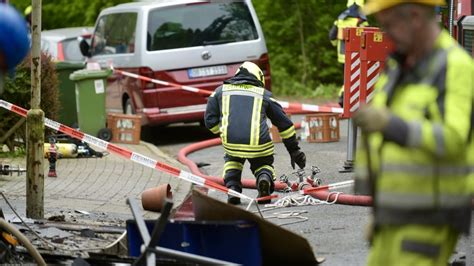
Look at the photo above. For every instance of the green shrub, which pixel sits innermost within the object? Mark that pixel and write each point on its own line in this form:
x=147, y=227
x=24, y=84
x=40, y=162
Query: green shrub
x=302, y=58
x=18, y=92
x=284, y=85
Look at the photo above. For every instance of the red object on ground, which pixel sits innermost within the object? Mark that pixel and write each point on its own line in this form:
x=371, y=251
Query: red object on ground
x=267, y=197
x=345, y=199
x=153, y=198
x=246, y=182
x=52, y=173
x=250, y=183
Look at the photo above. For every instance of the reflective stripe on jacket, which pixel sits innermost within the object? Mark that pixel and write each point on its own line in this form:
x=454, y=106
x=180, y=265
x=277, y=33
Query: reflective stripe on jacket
x=422, y=177
x=239, y=113
x=351, y=17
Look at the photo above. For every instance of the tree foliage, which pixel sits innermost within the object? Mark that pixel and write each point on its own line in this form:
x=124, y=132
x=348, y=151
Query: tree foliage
x=66, y=13
x=301, y=56
x=18, y=91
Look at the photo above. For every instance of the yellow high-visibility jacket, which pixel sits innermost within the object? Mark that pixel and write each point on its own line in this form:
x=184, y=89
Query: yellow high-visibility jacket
x=238, y=111
x=351, y=17
x=420, y=162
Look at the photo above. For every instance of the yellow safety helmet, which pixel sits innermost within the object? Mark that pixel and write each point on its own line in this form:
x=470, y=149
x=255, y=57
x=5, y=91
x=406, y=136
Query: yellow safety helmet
x=28, y=10
x=374, y=6
x=357, y=2
x=252, y=69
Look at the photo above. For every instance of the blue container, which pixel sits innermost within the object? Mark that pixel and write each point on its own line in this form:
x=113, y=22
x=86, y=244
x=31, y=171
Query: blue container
x=237, y=241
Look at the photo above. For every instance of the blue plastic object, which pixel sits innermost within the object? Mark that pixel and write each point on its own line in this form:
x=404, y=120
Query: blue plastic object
x=14, y=41
x=237, y=241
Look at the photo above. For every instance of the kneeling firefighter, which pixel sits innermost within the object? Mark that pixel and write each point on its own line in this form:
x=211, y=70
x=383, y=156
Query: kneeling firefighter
x=238, y=111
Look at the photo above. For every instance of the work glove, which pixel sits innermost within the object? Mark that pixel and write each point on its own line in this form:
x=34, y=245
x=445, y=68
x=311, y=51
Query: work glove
x=371, y=119
x=299, y=158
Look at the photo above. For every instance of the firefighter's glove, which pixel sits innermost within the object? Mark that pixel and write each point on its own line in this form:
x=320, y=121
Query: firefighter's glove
x=371, y=119
x=299, y=158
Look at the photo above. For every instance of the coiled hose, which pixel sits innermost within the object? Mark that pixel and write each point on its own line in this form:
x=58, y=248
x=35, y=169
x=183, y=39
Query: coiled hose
x=23, y=240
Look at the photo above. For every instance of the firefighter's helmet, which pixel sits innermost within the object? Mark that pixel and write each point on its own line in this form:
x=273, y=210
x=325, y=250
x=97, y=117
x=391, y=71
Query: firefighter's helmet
x=374, y=6
x=252, y=69
x=28, y=10
x=357, y=2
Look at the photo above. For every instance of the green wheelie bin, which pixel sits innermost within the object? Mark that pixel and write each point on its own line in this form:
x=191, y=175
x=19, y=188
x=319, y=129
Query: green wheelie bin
x=90, y=102
x=67, y=93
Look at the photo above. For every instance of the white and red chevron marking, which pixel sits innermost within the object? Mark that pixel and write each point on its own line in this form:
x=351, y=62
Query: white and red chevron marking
x=297, y=107
x=127, y=154
x=373, y=73
x=354, y=100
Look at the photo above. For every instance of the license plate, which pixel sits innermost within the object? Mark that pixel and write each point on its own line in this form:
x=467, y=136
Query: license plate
x=207, y=71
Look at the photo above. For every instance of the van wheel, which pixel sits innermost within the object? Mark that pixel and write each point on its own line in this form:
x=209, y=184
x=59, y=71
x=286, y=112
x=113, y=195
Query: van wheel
x=105, y=134
x=128, y=108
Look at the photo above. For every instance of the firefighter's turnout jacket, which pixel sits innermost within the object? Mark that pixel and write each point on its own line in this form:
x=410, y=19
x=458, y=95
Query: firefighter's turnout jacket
x=238, y=111
x=419, y=163
x=351, y=17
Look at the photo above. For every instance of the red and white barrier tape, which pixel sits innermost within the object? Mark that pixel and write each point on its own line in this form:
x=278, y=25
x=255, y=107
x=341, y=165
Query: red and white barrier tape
x=286, y=105
x=127, y=154
x=161, y=82
x=330, y=186
x=310, y=108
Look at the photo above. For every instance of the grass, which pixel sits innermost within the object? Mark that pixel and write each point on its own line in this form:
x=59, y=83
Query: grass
x=17, y=153
x=322, y=93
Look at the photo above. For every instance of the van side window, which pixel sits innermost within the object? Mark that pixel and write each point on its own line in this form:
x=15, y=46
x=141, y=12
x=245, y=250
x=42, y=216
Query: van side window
x=200, y=24
x=115, y=34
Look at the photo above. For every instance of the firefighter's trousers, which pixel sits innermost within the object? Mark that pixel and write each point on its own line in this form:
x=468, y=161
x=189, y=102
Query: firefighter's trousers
x=233, y=169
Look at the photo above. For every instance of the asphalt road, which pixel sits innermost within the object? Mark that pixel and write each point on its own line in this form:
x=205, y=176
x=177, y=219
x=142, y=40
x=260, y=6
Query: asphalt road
x=335, y=232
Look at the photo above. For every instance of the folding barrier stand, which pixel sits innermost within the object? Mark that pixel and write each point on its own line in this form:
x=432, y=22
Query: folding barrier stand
x=366, y=50
x=352, y=68
x=352, y=37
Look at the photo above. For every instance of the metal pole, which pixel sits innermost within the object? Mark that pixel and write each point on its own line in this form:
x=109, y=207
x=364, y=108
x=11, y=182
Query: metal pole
x=351, y=147
x=352, y=143
x=451, y=17
x=469, y=252
x=35, y=125
x=141, y=225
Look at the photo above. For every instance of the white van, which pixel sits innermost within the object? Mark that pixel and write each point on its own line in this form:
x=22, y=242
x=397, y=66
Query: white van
x=189, y=42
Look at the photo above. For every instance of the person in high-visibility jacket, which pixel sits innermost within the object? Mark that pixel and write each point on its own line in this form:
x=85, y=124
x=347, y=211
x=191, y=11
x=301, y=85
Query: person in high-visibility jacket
x=417, y=129
x=14, y=42
x=351, y=17
x=238, y=111
x=27, y=13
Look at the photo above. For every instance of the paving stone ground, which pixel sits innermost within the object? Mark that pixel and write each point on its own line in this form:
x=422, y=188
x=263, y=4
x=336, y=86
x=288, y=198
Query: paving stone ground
x=96, y=185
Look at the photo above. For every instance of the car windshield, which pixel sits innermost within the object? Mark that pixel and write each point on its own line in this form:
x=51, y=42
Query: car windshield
x=199, y=24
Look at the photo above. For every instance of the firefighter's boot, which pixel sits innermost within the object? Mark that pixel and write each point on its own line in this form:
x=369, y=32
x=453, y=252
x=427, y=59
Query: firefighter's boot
x=264, y=186
x=233, y=199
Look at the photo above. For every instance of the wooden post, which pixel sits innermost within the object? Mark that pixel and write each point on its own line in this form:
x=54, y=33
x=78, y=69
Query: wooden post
x=35, y=125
